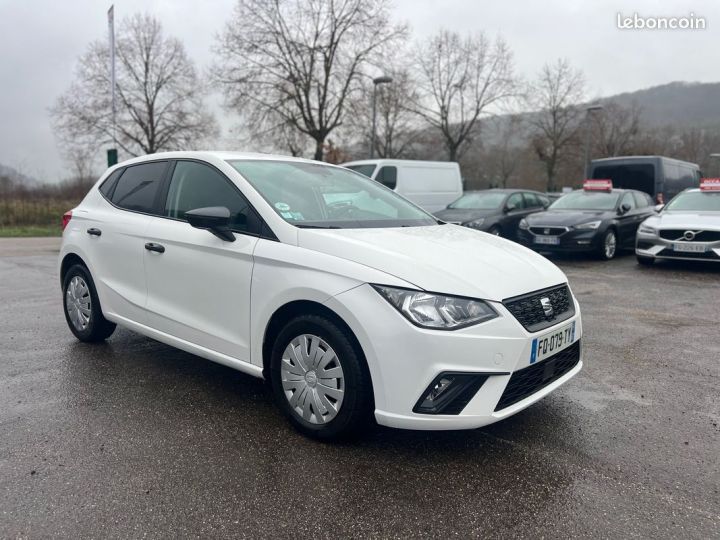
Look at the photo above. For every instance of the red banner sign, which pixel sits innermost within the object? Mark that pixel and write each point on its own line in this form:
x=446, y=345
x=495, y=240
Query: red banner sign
x=597, y=185
x=710, y=184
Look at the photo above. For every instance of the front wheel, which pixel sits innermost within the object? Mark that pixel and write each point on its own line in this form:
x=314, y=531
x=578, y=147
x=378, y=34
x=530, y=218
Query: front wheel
x=82, y=306
x=608, y=245
x=320, y=380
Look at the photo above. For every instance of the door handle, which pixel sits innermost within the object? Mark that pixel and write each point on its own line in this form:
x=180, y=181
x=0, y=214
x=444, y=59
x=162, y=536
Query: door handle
x=94, y=232
x=157, y=248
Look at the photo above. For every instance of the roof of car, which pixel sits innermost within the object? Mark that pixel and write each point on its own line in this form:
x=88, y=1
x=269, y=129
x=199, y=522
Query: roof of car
x=218, y=154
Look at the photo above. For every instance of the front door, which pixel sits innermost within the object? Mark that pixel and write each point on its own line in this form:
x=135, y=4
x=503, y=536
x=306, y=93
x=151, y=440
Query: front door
x=199, y=284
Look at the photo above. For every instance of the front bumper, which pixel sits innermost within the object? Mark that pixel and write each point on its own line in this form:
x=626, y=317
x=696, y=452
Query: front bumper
x=569, y=240
x=654, y=247
x=404, y=359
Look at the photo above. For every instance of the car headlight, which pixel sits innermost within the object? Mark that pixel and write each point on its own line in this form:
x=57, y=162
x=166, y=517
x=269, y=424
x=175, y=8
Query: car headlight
x=523, y=225
x=590, y=225
x=645, y=229
x=475, y=224
x=437, y=311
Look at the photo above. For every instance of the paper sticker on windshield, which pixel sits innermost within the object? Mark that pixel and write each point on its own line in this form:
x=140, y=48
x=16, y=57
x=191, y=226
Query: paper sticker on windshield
x=282, y=207
x=286, y=215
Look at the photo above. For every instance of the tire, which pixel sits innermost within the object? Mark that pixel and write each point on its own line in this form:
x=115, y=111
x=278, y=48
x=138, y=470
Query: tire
x=495, y=230
x=645, y=261
x=606, y=252
x=340, y=408
x=81, y=306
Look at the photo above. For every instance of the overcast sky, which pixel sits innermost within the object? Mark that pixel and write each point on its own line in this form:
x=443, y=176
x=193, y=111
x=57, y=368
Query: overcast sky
x=40, y=41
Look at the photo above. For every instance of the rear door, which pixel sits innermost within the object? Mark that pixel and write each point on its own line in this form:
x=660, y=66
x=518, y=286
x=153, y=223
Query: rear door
x=199, y=286
x=116, y=238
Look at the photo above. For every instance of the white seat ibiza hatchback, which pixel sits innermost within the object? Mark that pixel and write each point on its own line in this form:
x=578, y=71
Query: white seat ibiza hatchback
x=352, y=302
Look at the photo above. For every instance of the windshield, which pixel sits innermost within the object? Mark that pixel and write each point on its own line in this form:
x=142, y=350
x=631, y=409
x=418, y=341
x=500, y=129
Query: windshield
x=479, y=201
x=367, y=170
x=695, y=201
x=314, y=195
x=586, y=200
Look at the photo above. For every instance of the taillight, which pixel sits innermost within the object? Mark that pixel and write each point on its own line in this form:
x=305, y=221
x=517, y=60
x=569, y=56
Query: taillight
x=67, y=216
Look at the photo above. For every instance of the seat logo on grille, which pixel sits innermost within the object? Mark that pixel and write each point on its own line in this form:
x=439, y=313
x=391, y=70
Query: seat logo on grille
x=547, y=231
x=689, y=235
x=547, y=306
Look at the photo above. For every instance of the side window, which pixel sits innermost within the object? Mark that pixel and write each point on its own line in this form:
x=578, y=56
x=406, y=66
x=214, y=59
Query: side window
x=138, y=186
x=532, y=200
x=642, y=200
x=106, y=188
x=544, y=201
x=629, y=199
x=515, y=202
x=387, y=176
x=194, y=185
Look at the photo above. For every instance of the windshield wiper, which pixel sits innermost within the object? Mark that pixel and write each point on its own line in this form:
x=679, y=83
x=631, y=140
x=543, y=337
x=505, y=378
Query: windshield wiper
x=305, y=226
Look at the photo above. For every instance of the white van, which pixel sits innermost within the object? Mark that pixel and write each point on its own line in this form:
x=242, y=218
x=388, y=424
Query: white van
x=431, y=185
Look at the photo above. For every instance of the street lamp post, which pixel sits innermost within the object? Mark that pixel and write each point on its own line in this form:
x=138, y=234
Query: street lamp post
x=588, y=110
x=376, y=82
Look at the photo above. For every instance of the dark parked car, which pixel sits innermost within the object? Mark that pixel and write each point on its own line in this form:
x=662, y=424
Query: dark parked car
x=588, y=220
x=497, y=211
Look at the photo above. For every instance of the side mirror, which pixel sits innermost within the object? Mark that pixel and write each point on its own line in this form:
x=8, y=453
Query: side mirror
x=624, y=208
x=509, y=208
x=215, y=219
x=659, y=207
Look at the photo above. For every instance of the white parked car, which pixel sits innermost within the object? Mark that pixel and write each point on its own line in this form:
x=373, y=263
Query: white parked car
x=350, y=300
x=687, y=228
x=432, y=185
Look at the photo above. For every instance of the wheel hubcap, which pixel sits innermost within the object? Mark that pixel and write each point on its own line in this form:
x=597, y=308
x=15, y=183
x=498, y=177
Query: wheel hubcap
x=312, y=379
x=78, y=303
x=610, y=244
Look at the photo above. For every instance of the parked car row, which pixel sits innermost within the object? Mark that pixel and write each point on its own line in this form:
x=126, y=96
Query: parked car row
x=598, y=218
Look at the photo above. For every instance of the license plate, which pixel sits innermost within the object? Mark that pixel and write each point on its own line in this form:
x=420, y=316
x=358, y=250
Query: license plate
x=689, y=248
x=552, y=342
x=548, y=240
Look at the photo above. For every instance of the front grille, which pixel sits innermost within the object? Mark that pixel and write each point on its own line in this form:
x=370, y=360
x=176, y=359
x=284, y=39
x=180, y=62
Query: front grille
x=529, y=380
x=528, y=308
x=548, y=231
x=707, y=255
x=700, y=236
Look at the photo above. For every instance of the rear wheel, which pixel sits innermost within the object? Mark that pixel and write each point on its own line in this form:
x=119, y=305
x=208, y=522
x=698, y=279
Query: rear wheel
x=645, y=261
x=608, y=245
x=82, y=306
x=320, y=380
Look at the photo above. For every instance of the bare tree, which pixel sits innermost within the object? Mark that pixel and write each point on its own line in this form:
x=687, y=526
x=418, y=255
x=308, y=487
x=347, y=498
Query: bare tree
x=159, y=95
x=500, y=157
x=555, y=96
x=301, y=61
x=459, y=78
x=615, y=129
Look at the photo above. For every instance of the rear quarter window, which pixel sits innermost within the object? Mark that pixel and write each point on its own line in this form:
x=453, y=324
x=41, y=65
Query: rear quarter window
x=107, y=187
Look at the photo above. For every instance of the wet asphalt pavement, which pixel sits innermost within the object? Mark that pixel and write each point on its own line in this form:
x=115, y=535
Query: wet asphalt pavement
x=133, y=438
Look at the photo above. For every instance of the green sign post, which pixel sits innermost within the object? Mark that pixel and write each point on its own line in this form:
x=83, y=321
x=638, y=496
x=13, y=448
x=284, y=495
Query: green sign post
x=112, y=157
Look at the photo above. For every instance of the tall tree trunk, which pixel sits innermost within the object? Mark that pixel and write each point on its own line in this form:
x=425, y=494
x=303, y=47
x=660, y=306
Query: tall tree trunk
x=319, y=144
x=452, y=152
